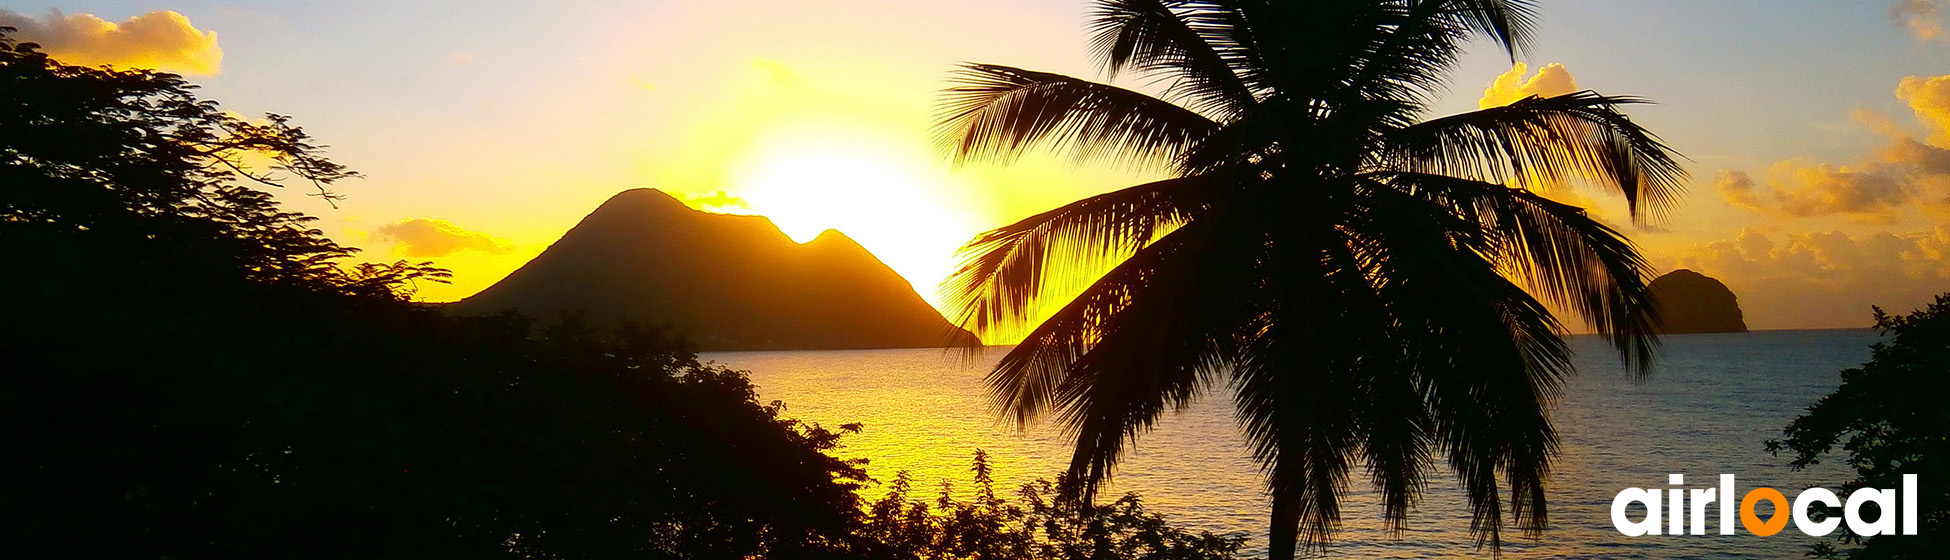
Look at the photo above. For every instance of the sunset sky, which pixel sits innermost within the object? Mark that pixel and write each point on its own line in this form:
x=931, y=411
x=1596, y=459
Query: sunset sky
x=1818, y=131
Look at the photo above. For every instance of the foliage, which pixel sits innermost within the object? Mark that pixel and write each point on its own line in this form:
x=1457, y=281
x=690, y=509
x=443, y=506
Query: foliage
x=191, y=372
x=902, y=526
x=1889, y=417
x=1375, y=287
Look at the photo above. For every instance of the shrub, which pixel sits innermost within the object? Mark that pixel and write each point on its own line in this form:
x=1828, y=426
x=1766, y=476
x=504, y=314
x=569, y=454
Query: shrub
x=1041, y=526
x=1890, y=419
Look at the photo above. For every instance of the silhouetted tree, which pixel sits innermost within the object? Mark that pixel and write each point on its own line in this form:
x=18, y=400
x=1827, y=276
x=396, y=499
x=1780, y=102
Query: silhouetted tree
x=1367, y=282
x=191, y=372
x=1890, y=418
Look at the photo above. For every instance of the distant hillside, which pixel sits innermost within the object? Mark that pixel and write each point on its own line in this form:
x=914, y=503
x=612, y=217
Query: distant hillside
x=729, y=282
x=1690, y=302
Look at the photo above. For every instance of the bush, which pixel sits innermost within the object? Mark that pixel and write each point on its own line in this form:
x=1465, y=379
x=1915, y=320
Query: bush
x=1890, y=419
x=1042, y=526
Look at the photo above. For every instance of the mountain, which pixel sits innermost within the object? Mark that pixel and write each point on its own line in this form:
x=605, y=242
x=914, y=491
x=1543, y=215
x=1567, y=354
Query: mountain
x=729, y=282
x=1690, y=302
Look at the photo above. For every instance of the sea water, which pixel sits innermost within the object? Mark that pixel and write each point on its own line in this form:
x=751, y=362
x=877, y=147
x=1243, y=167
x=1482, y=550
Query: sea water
x=1705, y=410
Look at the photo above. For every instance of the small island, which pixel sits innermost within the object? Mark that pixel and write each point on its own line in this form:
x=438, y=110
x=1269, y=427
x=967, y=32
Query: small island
x=1691, y=303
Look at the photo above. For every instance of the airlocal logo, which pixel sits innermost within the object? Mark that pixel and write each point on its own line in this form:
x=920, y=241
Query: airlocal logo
x=1679, y=508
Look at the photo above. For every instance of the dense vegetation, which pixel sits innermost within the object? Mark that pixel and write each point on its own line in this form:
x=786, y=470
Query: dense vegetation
x=192, y=372
x=1890, y=419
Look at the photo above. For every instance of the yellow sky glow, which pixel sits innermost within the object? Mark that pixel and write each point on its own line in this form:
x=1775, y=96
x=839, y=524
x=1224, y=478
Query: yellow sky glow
x=818, y=115
x=884, y=193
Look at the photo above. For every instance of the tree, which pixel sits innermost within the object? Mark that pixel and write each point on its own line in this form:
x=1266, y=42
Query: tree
x=98, y=161
x=1890, y=419
x=189, y=371
x=1373, y=287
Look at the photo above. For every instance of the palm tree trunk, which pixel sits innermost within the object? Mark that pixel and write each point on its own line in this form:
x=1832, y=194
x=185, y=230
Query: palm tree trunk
x=1284, y=536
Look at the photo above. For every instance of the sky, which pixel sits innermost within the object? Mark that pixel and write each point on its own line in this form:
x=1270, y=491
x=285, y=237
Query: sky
x=1817, y=132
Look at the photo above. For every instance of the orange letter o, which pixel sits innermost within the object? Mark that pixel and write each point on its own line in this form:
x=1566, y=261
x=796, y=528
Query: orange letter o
x=1752, y=521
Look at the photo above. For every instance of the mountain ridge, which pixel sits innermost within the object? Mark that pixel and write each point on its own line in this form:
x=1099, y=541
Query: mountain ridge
x=729, y=282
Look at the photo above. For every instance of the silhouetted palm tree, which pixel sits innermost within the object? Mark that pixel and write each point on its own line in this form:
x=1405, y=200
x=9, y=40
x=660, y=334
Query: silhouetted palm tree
x=1365, y=282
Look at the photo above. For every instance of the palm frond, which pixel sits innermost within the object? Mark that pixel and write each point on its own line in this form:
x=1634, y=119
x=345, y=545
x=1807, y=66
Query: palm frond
x=1157, y=352
x=1549, y=140
x=1574, y=261
x=1183, y=40
x=1297, y=410
x=1304, y=377
x=1420, y=42
x=998, y=112
x=1509, y=23
x=1489, y=357
x=1005, y=271
x=1029, y=380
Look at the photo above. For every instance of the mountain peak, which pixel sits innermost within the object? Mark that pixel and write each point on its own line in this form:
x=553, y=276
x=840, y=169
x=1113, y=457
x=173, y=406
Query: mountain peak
x=833, y=237
x=730, y=282
x=640, y=199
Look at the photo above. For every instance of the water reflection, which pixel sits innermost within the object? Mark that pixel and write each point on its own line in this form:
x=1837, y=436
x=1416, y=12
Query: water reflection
x=1704, y=412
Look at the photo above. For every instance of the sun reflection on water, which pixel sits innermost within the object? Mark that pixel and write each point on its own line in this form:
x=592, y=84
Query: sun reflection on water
x=1705, y=412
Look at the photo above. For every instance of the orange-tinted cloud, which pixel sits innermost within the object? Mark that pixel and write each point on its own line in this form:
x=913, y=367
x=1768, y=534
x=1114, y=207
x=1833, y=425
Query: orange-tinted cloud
x=1930, y=99
x=1551, y=81
x=429, y=237
x=1737, y=188
x=1923, y=18
x=160, y=40
x=1826, y=279
x=1906, y=173
x=1800, y=188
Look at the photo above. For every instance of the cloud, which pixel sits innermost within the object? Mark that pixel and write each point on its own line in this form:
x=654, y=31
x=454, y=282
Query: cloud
x=1800, y=188
x=1737, y=188
x=1930, y=99
x=716, y=202
x=1826, y=279
x=1905, y=173
x=1551, y=81
x=1921, y=160
x=1923, y=18
x=429, y=237
x=159, y=40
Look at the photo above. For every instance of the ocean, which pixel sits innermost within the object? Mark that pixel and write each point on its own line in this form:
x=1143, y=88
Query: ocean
x=1705, y=410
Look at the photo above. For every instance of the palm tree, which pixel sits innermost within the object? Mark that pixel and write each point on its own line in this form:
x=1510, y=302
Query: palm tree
x=1371, y=287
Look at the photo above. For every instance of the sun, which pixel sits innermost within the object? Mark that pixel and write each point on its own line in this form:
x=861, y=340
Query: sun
x=898, y=202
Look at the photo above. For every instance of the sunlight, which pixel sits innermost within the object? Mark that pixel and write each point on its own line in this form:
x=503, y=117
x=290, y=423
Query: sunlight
x=892, y=200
